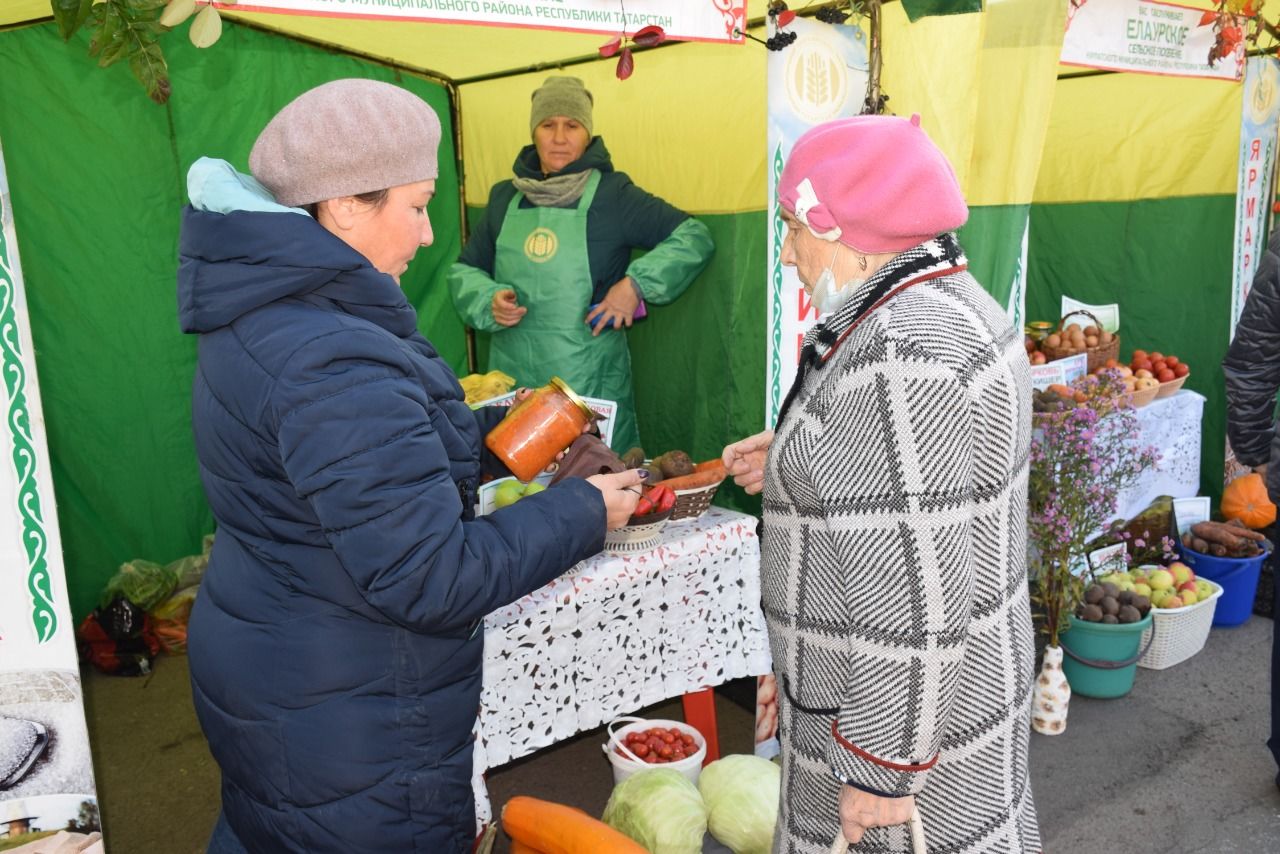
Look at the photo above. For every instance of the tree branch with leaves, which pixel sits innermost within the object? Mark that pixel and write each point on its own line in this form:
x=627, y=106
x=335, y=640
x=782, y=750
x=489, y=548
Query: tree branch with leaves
x=132, y=29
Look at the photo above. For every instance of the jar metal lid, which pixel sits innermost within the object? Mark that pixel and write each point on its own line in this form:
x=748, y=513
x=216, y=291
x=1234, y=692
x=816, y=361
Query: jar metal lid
x=563, y=387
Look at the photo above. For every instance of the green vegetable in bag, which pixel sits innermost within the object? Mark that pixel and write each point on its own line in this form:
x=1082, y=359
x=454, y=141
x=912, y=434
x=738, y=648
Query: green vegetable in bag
x=741, y=793
x=661, y=810
x=143, y=583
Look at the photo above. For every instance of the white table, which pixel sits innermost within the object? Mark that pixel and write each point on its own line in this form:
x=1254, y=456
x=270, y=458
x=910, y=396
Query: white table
x=598, y=642
x=1172, y=425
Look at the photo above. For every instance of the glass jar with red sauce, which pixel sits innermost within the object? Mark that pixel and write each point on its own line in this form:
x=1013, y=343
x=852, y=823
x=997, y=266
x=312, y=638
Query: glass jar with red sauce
x=538, y=428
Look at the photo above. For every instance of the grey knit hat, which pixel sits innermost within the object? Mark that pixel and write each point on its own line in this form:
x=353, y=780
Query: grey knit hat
x=344, y=138
x=561, y=96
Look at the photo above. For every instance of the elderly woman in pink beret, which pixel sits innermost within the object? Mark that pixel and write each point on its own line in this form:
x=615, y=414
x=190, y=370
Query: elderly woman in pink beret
x=895, y=482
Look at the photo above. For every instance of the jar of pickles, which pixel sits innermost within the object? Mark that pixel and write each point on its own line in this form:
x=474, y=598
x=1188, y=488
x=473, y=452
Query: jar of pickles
x=538, y=428
x=1038, y=330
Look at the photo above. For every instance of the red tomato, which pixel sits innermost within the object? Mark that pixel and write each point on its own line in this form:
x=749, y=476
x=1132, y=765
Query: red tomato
x=687, y=739
x=1166, y=376
x=651, y=759
x=665, y=751
x=1181, y=369
x=641, y=750
x=1139, y=354
x=1171, y=361
x=1156, y=356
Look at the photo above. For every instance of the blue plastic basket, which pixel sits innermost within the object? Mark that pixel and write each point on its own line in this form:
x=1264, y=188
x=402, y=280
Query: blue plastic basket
x=1238, y=577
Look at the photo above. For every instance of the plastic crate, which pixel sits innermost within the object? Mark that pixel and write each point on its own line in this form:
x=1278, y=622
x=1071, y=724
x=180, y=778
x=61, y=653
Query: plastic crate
x=1180, y=632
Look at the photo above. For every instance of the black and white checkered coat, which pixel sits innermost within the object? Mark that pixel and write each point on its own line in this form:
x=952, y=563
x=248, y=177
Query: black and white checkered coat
x=894, y=569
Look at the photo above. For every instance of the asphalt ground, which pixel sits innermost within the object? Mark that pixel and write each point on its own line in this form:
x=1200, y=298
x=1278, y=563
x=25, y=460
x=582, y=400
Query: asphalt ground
x=1177, y=766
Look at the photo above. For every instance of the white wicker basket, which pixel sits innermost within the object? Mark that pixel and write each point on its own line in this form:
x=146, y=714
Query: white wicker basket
x=1180, y=632
x=640, y=535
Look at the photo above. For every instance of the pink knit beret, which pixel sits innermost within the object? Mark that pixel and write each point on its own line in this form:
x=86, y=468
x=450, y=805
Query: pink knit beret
x=344, y=138
x=875, y=183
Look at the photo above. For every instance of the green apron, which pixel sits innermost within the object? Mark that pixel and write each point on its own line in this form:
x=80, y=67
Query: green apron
x=541, y=253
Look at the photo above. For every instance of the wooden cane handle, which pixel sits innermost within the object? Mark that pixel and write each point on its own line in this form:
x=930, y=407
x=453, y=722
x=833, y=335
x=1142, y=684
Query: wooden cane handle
x=841, y=845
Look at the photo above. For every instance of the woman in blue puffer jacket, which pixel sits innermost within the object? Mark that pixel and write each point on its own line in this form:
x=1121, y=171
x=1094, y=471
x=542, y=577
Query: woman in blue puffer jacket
x=336, y=645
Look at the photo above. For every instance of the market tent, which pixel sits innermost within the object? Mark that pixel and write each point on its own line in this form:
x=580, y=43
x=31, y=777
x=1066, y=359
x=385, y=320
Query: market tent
x=96, y=173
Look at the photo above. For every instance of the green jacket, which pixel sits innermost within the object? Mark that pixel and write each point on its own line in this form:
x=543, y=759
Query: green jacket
x=622, y=217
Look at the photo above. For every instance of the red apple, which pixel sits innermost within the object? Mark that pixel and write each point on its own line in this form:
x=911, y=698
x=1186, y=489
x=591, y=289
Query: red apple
x=1181, y=369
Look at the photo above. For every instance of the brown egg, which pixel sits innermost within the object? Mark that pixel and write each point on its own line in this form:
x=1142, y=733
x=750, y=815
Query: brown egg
x=1054, y=340
x=1091, y=340
x=1105, y=337
x=1091, y=330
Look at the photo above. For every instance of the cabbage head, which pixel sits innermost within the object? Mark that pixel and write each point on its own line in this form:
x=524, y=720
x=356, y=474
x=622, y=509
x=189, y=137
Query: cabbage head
x=660, y=809
x=742, y=793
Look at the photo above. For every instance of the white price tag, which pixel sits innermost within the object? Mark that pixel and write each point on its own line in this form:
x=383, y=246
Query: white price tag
x=1108, y=315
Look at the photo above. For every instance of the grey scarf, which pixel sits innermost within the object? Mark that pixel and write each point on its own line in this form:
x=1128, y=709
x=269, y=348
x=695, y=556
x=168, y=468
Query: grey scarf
x=558, y=191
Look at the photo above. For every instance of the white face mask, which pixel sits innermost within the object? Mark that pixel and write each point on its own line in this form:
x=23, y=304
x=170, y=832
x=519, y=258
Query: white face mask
x=827, y=300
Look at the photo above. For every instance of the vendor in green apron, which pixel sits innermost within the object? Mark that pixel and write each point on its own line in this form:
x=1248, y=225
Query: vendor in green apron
x=548, y=267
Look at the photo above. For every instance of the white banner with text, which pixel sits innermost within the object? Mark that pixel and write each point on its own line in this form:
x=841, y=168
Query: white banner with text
x=694, y=20
x=1154, y=38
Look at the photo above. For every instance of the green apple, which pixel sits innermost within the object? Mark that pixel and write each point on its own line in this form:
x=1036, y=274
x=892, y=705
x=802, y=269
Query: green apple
x=508, y=492
x=1204, y=589
x=1188, y=596
x=533, y=488
x=1142, y=589
x=1161, y=579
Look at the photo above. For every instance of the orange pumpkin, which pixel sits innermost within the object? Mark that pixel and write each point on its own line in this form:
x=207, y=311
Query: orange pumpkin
x=1246, y=499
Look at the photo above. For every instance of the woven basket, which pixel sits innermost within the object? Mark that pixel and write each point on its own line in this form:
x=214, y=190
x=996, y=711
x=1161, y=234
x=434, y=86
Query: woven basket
x=640, y=534
x=692, y=503
x=1097, y=355
x=1170, y=388
x=1141, y=398
x=1180, y=632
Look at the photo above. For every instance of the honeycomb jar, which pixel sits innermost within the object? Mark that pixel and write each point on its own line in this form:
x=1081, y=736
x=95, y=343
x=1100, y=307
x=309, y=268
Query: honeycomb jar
x=538, y=428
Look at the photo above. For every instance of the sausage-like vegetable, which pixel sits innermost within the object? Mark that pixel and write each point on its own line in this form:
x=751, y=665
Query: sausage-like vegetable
x=552, y=828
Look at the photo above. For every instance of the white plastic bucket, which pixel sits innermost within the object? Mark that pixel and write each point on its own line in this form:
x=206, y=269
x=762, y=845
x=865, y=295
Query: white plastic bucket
x=625, y=766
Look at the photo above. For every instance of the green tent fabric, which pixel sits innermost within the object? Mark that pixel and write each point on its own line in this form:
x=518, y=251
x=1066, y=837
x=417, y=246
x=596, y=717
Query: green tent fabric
x=917, y=9
x=1142, y=254
x=97, y=176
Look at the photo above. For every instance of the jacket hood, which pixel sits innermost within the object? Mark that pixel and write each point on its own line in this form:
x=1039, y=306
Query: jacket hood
x=596, y=156
x=239, y=250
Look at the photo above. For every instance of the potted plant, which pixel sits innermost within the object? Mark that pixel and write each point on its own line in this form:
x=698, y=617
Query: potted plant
x=1084, y=452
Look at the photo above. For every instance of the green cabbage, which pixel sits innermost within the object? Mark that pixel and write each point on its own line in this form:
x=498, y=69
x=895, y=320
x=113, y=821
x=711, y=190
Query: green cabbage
x=660, y=809
x=742, y=793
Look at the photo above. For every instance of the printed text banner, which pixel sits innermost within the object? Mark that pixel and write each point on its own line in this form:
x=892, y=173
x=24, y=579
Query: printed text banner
x=1153, y=38
x=695, y=20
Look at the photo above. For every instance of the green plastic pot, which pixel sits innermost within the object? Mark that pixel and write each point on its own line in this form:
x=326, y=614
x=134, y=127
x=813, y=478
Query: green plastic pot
x=1101, y=658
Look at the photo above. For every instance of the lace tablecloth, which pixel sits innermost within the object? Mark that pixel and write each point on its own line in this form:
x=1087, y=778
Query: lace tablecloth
x=1172, y=425
x=617, y=633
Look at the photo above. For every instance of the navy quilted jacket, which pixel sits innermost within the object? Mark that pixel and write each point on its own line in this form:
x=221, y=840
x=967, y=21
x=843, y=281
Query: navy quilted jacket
x=335, y=657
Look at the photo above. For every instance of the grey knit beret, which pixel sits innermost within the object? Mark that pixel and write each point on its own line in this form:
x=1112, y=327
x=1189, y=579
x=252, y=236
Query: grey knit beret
x=561, y=96
x=344, y=138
